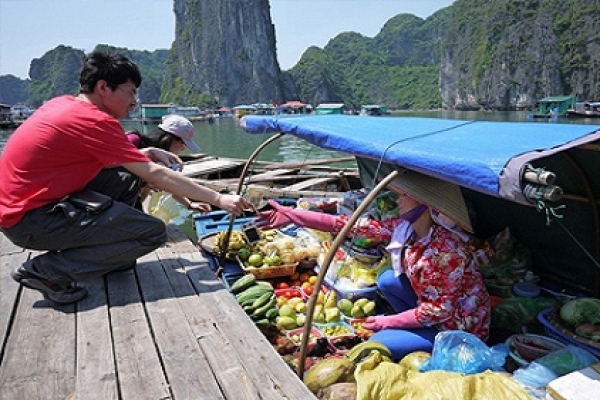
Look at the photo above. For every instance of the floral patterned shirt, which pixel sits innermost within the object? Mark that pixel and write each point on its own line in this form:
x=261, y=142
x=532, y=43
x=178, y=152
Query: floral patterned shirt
x=451, y=293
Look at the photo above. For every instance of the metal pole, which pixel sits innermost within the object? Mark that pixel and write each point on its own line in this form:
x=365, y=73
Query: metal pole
x=223, y=255
x=327, y=261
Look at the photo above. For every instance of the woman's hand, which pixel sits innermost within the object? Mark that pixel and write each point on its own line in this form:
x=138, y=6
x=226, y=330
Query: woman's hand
x=273, y=218
x=404, y=320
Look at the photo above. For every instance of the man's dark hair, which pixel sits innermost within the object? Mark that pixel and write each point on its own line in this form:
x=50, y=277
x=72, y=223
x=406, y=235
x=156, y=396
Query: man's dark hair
x=115, y=69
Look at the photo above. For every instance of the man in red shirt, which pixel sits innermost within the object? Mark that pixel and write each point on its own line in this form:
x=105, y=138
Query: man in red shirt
x=47, y=164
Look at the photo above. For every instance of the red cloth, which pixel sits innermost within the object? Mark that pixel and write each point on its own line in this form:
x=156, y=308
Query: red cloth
x=57, y=151
x=281, y=216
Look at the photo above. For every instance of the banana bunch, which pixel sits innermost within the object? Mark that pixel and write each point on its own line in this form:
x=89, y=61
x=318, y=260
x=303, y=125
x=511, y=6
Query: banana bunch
x=363, y=350
x=237, y=241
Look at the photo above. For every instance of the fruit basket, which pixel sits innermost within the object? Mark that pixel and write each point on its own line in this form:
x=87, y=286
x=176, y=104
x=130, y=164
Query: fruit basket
x=336, y=329
x=296, y=335
x=273, y=271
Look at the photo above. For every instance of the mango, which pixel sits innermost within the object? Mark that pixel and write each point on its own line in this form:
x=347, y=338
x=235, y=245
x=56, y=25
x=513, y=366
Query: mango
x=300, y=307
x=286, y=323
x=369, y=308
x=287, y=311
x=345, y=306
x=357, y=312
x=361, y=302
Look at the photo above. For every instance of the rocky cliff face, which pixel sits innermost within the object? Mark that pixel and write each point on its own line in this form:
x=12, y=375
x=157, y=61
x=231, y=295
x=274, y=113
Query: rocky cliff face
x=519, y=52
x=226, y=49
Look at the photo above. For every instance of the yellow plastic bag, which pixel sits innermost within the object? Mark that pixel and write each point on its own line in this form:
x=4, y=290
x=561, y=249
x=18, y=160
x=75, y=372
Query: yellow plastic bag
x=383, y=380
x=163, y=206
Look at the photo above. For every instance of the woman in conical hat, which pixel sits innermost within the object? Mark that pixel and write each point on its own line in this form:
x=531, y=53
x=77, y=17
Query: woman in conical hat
x=434, y=284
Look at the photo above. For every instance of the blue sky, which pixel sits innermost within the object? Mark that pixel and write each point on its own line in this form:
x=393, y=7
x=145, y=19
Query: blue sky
x=30, y=28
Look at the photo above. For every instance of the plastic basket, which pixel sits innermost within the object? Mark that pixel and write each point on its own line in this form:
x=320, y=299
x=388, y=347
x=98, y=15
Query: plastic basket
x=269, y=272
x=371, y=293
x=562, y=334
x=216, y=221
x=323, y=328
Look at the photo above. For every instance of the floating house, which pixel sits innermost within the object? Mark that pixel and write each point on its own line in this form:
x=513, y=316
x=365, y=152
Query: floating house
x=330, y=108
x=153, y=113
x=555, y=106
x=293, y=107
x=244, y=109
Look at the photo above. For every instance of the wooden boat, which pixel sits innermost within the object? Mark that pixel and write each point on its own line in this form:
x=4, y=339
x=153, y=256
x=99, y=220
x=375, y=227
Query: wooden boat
x=489, y=160
x=312, y=178
x=586, y=109
x=373, y=109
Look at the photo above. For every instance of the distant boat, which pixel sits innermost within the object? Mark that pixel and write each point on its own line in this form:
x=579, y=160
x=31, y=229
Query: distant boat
x=21, y=112
x=373, y=109
x=554, y=107
x=586, y=109
x=6, y=118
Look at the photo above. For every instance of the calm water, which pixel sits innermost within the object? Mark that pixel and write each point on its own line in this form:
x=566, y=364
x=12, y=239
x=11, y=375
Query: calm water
x=225, y=138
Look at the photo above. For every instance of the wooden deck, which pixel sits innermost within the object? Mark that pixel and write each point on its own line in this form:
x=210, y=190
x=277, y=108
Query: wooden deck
x=166, y=330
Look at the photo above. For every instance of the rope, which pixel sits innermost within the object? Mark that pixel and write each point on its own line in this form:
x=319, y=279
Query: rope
x=411, y=138
x=550, y=212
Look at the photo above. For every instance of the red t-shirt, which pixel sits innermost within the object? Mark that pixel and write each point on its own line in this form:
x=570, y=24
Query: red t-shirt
x=57, y=151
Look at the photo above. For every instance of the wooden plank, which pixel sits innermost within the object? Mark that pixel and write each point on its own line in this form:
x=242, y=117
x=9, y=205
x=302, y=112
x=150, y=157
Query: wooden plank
x=139, y=370
x=7, y=247
x=96, y=378
x=38, y=361
x=270, y=374
x=269, y=193
x=309, y=183
x=188, y=372
x=228, y=368
x=205, y=167
x=268, y=175
x=309, y=163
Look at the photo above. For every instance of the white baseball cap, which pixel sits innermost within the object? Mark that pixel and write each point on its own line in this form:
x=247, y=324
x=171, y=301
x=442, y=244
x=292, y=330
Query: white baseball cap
x=180, y=127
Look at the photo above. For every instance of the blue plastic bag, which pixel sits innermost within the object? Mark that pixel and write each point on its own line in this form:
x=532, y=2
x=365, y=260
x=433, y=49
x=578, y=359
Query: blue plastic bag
x=542, y=371
x=460, y=351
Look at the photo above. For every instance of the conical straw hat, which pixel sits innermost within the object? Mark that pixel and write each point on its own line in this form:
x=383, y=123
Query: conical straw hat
x=442, y=196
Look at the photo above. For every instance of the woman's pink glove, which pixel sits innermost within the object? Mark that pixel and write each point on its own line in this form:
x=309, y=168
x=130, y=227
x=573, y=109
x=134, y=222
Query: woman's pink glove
x=404, y=320
x=281, y=215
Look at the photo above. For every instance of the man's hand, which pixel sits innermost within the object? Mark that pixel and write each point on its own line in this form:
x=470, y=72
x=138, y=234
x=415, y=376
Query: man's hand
x=162, y=156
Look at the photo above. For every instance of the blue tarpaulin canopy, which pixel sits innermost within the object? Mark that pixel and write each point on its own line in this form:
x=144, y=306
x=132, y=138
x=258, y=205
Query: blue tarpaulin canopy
x=487, y=159
x=484, y=156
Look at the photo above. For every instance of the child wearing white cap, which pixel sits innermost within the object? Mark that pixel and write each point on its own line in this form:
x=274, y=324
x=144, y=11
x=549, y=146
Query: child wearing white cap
x=180, y=127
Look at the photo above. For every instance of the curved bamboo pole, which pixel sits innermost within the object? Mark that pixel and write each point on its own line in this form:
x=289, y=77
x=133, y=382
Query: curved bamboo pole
x=341, y=236
x=255, y=153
